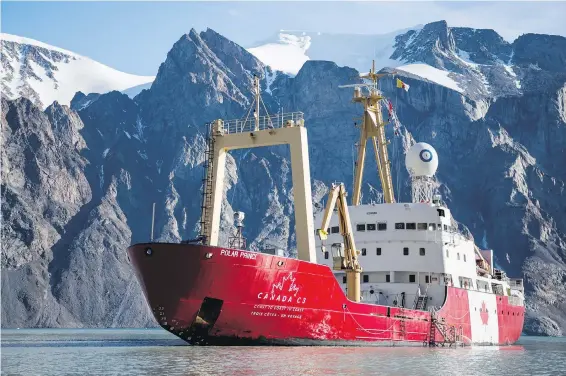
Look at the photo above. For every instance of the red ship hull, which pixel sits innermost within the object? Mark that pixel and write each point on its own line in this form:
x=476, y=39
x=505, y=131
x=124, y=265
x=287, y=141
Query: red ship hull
x=213, y=295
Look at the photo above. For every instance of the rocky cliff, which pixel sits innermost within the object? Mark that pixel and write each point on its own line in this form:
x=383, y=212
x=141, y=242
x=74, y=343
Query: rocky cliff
x=78, y=182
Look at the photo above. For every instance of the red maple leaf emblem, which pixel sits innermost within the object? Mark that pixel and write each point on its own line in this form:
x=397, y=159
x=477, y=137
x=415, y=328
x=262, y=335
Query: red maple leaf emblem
x=484, y=314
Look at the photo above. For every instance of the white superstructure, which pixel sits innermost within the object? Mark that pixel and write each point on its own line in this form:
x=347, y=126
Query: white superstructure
x=412, y=250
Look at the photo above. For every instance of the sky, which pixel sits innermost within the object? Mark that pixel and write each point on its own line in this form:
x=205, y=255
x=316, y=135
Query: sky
x=135, y=37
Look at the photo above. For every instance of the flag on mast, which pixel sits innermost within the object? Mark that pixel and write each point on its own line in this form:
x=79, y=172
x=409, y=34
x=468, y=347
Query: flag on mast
x=402, y=85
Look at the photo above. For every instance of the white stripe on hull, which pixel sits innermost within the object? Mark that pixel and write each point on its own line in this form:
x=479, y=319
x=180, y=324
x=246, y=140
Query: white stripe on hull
x=483, y=317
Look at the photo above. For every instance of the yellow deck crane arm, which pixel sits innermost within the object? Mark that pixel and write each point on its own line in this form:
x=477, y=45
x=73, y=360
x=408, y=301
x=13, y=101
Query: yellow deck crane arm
x=348, y=253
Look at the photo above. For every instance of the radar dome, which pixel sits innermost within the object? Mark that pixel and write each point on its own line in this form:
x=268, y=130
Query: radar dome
x=421, y=160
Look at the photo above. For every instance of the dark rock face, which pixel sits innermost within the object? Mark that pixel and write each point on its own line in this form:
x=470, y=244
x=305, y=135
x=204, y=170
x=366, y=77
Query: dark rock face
x=484, y=46
x=547, y=52
x=106, y=160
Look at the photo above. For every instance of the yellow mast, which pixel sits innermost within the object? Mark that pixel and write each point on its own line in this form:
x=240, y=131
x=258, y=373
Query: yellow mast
x=373, y=128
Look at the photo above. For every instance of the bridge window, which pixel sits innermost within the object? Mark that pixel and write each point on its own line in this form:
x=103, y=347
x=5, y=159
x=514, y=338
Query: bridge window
x=412, y=278
x=447, y=254
x=421, y=251
x=378, y=251
x=427, y=279
x=366, y=278
x=344, y=279
x=326, y=255
x=361, y=227
x=371, y=226
x=458, y=256
x=399, y=226
x=464, y=258
x=364, y=252
x=439, y=227
x=382, y=226
x=335, y=229
x=411, y=226
x=421, y=226
x=406, y=251
x=387, y=278
x=445, y=228
x=440, y=212
x=432, y=226
x=328, y=230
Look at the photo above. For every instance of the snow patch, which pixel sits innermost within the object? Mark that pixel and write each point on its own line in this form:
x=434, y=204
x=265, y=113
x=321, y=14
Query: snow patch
x=511, y=72
x=142, y=154
x=85, y=105
x=269, y=77
x=288, y=54
x=32, y=42
x=101, y=176
x=464, y=57
x=128, y=135
x=76, y=73
x=432, y=74
x=105, y=153
x=139, y=127
x=413, y=37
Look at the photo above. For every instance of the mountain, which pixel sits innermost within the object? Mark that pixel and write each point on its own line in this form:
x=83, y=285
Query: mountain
x=105, y=159
x=475, y=61
x=289, y=50
x=44, y=74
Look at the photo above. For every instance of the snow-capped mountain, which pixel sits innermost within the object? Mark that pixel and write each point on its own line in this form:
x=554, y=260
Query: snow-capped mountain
x=289, y=50
x=44, y=73
x=479, y=63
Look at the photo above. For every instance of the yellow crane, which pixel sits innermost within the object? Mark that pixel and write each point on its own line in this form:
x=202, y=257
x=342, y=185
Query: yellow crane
x=345, y=255
x=372, y=128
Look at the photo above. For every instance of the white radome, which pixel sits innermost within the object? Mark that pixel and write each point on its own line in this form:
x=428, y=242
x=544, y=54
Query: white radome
x=421, y=160
x=239, y=218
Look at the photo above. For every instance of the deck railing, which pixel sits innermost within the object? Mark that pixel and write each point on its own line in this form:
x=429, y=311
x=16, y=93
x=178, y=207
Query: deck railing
x=264, y=122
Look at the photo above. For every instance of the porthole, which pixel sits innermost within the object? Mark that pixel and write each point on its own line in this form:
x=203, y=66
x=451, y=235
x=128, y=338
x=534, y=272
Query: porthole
x=148, y=251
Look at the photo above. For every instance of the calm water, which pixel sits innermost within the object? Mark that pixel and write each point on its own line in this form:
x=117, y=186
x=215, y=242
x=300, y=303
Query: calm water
x=156, y=352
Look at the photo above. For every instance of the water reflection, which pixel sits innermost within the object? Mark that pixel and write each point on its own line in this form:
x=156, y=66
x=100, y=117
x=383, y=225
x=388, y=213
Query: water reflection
x=144, y=352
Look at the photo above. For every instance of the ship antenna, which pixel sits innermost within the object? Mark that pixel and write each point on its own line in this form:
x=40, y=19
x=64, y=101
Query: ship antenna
x=256, y=106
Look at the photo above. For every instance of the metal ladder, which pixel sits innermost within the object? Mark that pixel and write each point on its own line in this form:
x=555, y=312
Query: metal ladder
x=449, y=334
x=432, y=333
x=206, y=202
x=421, y=300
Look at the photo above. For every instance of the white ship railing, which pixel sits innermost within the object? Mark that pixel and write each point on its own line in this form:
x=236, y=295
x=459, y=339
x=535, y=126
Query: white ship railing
x=264, y=122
